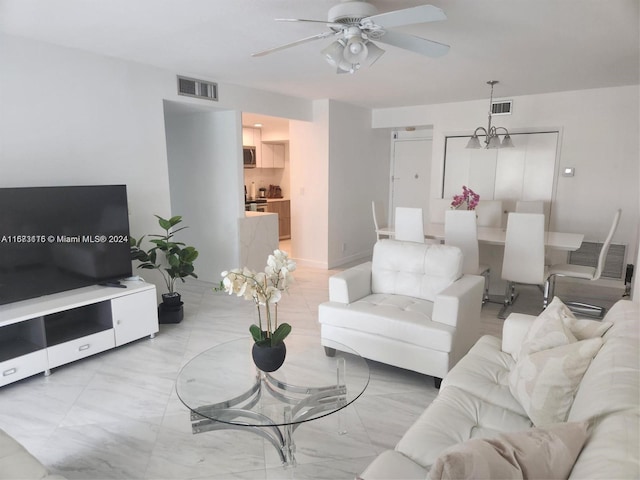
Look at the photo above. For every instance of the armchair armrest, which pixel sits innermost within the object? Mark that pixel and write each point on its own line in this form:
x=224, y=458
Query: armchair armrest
x=514, y=330
x=351, y=284
x=461, y=299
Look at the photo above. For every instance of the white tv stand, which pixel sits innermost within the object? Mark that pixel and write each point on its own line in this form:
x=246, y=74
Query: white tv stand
x=39, y=334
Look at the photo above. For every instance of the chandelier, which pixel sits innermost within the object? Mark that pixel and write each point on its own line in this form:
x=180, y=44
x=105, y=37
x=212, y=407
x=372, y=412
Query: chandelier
x=492, y=140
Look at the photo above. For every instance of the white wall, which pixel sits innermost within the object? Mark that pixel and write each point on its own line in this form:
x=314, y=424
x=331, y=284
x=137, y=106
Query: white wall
x=205, y=173
x=599, y=137
x=309, y=152
x=358, y=173
x=70, y=117
x=67, y=117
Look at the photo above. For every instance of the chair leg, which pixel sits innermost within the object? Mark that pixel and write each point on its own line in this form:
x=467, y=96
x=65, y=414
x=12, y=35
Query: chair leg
x=549, y=290
x=487, y=279
x=510, y=293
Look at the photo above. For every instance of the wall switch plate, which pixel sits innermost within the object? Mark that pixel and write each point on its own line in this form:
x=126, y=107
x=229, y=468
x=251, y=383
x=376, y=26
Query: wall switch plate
x=568, y=172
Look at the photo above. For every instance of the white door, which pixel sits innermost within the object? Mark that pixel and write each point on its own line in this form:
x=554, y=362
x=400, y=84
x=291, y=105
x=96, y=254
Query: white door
x=410, y=180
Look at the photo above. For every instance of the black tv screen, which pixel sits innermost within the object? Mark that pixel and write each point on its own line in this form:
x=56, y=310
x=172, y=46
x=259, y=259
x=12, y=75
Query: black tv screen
x=54, y=239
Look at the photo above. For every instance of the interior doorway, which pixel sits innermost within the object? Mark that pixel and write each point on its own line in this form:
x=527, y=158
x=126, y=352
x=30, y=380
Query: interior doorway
x=410, y=175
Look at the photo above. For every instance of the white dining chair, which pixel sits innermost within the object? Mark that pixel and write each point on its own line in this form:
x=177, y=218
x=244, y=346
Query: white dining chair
x=489, y=213
x=409, y=224
x=529, y=206
x=581, y=272
x=460, y=230
x=379, y=219
x=523, y=260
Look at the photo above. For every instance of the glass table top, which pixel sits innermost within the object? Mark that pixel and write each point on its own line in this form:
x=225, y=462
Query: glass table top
x=223, y=384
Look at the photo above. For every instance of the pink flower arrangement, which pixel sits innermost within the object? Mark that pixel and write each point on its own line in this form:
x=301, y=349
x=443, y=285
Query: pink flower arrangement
x=468, y=199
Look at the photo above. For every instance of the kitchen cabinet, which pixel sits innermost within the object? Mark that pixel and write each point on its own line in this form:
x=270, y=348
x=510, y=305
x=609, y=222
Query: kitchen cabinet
x=273, y=155
x=252, y=137
x=283, y=209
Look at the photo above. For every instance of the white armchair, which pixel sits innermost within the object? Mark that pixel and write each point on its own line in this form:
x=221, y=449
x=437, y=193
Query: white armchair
x=410, y=307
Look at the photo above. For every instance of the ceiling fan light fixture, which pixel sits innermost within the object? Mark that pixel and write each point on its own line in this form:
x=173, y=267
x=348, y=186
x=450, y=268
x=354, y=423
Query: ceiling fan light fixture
x=375, y=52
x=333, y=53
x=355, y=51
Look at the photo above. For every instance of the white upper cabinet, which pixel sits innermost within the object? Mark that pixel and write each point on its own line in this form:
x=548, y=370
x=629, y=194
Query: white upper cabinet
x=273, y=155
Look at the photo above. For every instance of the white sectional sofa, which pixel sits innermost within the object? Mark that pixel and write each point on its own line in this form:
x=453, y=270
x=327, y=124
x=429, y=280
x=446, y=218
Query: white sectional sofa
x=475, y=402
x=16, y=463
x=410, y=307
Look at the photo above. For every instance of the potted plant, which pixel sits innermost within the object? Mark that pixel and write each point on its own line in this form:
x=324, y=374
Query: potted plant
x=174, y=260
x=265, y=289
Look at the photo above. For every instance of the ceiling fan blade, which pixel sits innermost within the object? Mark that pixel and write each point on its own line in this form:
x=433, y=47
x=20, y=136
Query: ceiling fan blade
x=407, y=16
x=293, y=44
x=414, y=44
x=324, y=22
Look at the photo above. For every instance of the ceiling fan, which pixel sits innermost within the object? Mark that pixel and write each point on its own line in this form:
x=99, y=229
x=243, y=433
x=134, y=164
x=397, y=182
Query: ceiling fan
x=355, y=24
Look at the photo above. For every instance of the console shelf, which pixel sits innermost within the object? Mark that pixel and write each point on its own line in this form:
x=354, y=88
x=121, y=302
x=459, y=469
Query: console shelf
x=39, y=334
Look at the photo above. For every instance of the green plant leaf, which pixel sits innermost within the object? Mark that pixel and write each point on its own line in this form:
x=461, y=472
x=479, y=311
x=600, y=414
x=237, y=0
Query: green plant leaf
x=256, y=333
x=280, y=334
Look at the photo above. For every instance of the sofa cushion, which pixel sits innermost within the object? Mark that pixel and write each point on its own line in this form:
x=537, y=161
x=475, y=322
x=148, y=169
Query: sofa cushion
x=545, y=382
x=389, y=463
x=398, y=317
x=414, y=269
x=485, y=374
x=453, y=417
x=609, y=395
x=547, y=453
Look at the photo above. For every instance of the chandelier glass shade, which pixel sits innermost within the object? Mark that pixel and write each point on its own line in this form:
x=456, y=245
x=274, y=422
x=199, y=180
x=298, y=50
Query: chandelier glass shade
x=491, y=133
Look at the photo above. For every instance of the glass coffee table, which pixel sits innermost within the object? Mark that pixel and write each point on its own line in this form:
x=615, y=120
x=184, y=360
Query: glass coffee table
x=223, y=389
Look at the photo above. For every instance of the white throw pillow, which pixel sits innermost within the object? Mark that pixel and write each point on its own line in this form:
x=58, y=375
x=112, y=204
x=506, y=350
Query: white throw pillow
x=545, y=382
x=547, y=453
x=550, y=329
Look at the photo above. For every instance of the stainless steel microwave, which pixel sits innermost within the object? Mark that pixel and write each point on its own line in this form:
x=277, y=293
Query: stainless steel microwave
x=249, y=154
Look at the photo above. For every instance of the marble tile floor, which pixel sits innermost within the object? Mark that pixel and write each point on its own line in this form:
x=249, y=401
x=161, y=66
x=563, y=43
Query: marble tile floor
x=116, y=415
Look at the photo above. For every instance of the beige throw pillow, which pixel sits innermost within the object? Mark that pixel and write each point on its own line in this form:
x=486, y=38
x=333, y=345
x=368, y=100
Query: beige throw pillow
x=550, y=329
x=552, y=362
x=541, y=453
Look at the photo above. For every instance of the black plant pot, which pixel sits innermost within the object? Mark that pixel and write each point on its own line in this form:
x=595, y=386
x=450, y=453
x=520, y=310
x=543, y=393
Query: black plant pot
x=268, y=358
x=170, y=313
x=171, y=300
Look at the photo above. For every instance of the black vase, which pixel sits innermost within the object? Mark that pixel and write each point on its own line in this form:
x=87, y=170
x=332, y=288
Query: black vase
x=268, y=358
x=169, y=300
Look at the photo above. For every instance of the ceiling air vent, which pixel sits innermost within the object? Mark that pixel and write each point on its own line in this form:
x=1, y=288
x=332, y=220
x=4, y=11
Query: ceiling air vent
x=502, y=108
x=192, y=87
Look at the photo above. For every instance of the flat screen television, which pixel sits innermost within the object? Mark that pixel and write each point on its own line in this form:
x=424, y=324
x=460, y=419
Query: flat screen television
x=54, y=239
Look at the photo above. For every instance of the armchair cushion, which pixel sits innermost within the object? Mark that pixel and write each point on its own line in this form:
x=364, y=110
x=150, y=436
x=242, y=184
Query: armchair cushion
x=414, y=269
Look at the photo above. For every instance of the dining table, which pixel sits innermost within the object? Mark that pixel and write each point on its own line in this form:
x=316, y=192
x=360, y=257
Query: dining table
x=496, y=236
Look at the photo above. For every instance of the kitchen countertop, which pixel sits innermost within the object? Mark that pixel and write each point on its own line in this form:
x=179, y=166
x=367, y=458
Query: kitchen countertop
x=249, y=214
x=277, y=200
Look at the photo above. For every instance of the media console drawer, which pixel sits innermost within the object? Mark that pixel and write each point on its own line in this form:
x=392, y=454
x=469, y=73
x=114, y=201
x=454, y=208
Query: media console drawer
x=23, y=366
x=70, y=351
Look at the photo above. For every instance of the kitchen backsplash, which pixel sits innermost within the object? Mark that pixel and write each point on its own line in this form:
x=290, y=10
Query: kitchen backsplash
x=263, y=177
